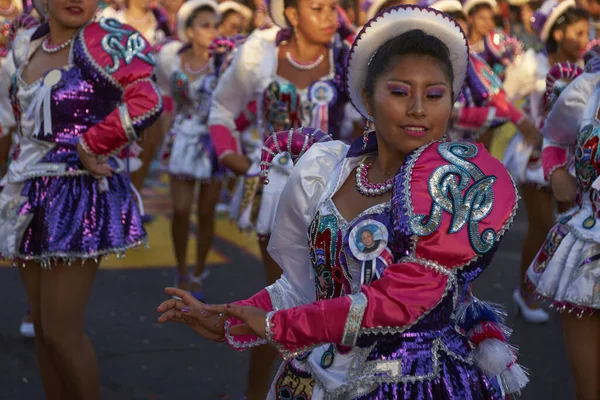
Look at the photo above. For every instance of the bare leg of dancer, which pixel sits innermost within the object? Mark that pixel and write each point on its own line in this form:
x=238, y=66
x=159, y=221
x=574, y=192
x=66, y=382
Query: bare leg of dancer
x=5, y=143
x=151, y=140
x=207, y=201
x=540, y=219
x=182, y=195
x=51, y=379
x=65, y=353
x=582, y=339
x=262, y=357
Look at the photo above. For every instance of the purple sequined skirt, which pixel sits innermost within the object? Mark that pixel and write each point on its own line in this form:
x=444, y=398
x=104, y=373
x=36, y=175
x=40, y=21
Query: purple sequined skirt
x=67, y=218
x=456, y=380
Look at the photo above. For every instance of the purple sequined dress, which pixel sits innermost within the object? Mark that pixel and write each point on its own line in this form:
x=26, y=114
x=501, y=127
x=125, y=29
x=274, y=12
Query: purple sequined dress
x=51, y=208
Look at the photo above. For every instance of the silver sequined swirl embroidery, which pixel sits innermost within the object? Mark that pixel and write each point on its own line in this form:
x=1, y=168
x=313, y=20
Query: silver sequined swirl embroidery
x=446, y=186
x=111, y=43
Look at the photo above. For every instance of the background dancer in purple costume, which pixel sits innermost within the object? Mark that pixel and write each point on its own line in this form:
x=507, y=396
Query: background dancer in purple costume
x=67, y=200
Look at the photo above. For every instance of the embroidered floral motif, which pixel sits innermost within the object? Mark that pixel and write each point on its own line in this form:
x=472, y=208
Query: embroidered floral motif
x=446, y=186
x=554, y=239
x=112, y=43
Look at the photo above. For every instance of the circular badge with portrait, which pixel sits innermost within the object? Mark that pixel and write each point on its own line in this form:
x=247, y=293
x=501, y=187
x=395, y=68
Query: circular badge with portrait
x=322, y=93
x=368, y=239
x=209, y=83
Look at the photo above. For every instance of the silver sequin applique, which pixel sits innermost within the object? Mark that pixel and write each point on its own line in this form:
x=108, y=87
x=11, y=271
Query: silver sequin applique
x=446, y=186
x=133, y=48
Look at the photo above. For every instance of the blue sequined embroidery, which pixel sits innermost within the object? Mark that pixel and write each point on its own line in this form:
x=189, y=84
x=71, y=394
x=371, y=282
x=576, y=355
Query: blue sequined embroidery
x=111, y=43
x=446, y=185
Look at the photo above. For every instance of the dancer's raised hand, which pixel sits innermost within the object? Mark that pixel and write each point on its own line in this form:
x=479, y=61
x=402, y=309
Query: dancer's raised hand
x=191, y=312
x=253, y=318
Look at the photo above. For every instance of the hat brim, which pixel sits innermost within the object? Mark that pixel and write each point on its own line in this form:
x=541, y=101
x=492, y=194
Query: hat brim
x=470, y=4
x=393, y=22
x=559, y=10
x=237, y=7
x=277, y=12
x=518, y=3
x=448, y=6
x=186, y=10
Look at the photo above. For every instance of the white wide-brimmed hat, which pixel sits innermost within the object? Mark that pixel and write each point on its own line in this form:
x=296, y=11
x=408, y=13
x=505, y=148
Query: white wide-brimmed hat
x=277, y=13
x=446, y=6
x=237, y=7
x=468, y=5
x=547, y=15
x=186, y=10
x=518, y=3
x=394, y=22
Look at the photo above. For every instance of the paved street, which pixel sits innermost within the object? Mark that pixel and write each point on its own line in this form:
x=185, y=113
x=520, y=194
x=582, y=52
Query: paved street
x=140, y=359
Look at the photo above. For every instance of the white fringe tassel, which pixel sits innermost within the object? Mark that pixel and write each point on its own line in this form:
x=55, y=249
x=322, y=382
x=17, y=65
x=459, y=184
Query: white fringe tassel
x=492, y=356
x=514, y=379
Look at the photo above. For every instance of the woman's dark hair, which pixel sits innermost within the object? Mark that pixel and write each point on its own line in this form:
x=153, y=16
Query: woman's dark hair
x=479, y=7
x=571, y=16
x=196, y=12
x=458, y=15
x=286, y=4
x=412, y=42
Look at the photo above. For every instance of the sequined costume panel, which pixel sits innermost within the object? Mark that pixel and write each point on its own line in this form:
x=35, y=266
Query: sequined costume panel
x=566, y=270
x=51, y=208
x=188, y=151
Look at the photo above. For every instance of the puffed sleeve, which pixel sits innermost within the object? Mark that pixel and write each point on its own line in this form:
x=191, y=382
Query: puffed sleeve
x=289, y=240
x=456, y=201
x=562, y=125
x=237, y=88
x=132, y=71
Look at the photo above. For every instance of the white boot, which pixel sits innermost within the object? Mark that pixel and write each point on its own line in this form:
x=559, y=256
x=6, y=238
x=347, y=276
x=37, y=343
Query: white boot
x=531, y=315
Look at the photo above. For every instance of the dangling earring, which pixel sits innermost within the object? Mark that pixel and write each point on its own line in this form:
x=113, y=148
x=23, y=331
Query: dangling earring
x=445, y=137
x=366, y=133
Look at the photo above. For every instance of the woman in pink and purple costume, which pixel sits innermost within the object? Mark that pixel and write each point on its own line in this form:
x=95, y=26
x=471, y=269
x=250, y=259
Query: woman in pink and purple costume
x=566, y=271
x=83, y=90
x=372, y=305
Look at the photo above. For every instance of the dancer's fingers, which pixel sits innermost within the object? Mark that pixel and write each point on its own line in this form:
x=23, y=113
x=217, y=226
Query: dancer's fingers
x=171, y=315
x=184, y=295
x=167, y=305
